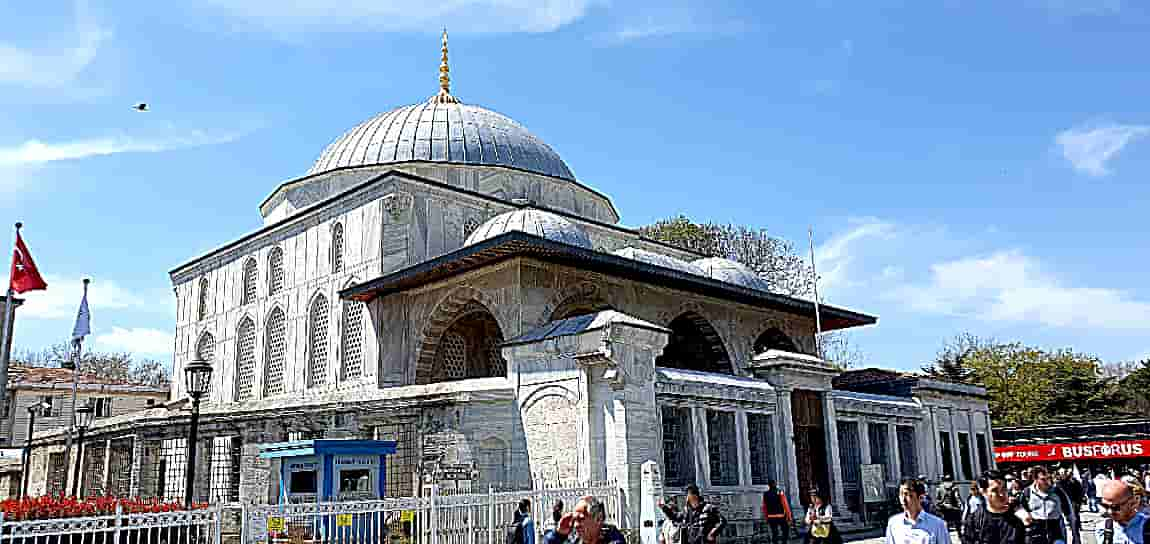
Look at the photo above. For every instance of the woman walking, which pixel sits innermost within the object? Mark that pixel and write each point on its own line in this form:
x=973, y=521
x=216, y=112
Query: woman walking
x=820, y=521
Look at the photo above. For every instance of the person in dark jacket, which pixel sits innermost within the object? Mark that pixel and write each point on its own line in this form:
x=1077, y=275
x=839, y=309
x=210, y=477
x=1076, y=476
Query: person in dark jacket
x=997, y=523
x=585, y=525
x=777, y=513
x=701, y=523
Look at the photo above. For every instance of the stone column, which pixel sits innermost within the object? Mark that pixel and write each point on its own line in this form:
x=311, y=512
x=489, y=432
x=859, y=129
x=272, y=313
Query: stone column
x=972, y=436
x=895, y=462
x=702, y=449
x=990, y=441
x=936, y=449
x=838, y=498
x=864, y=441
x=787, y=447
x=955, y=454
x=744, y=449
x=203, y=477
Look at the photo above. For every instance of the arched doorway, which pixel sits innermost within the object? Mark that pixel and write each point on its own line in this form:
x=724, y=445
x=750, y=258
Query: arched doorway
x=694, y=345
x=467, y=348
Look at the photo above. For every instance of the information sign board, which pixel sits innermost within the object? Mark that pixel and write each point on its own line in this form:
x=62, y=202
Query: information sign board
x=874, y=490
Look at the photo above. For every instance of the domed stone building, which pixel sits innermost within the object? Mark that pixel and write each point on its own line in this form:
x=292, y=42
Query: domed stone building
x=441, y=278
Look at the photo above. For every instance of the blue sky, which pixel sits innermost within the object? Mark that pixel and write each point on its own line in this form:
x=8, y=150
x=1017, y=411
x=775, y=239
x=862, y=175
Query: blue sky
x=966, y=165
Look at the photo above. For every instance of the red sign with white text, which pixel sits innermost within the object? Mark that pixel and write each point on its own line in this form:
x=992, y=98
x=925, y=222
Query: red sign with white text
x=1077, y=451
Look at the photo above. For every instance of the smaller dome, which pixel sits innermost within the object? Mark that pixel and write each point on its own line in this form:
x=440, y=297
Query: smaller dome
x=659, y=259
x=535, y=222
x=729, y=271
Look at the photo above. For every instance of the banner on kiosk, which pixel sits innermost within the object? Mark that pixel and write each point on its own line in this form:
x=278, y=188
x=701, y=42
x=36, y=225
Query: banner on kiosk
x=1080, y=451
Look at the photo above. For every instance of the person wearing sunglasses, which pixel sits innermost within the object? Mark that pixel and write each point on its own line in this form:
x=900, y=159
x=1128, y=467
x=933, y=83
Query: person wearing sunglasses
x=1124, y=523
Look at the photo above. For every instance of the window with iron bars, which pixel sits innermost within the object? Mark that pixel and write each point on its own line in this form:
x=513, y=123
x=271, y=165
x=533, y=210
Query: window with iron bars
x=93, y=475
x=225, y=466
x=120, y=468
x=57, y=473
x=170, y=469
x=401, y=465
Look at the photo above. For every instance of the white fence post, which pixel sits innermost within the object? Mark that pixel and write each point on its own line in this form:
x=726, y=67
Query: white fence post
x=118, y=522
x=434, y=515
x=491, y=514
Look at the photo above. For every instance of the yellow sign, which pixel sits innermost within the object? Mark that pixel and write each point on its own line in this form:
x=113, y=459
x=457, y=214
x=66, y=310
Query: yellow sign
x=407, y=515
x=276, y=524
x=343, y=520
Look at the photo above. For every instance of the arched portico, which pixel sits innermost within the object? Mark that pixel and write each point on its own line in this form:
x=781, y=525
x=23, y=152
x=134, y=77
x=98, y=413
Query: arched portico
x=694, y=345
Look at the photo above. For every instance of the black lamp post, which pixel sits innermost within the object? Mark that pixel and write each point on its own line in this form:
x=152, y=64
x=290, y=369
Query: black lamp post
x=198, y=377
x=32, y=411
x=83, y=419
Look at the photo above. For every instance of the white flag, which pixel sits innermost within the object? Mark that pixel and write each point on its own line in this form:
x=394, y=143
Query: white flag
x=83, y=320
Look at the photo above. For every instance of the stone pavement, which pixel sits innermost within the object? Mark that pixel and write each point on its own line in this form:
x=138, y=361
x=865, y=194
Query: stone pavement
x=875, y=537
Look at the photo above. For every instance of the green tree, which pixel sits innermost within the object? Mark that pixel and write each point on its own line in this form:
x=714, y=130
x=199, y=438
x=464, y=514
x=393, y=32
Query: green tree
x=950, y=364
x=1136, y=386
x=775, y=260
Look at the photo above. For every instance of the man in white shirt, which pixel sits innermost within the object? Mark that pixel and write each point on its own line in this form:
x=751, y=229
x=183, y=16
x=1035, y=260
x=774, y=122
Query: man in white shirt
x=913, y=525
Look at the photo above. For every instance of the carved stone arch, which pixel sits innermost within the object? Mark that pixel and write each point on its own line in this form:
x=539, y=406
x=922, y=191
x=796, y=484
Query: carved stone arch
x=773, y=337
x=547, y=391
x=456, y=306
x=695, y=343
x=576, y=299
x=206, y=347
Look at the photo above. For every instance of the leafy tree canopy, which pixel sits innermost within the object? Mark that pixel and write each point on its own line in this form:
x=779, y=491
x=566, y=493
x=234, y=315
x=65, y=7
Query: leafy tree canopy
x=110, y=365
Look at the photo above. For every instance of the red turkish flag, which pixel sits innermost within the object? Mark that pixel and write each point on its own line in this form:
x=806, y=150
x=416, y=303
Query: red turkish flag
x=24, y=276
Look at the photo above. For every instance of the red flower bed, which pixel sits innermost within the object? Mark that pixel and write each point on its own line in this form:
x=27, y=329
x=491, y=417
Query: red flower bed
x=49, y=507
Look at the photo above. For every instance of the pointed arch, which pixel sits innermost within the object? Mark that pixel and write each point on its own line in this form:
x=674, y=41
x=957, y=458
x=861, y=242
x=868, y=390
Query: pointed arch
x=694, y=345
x=250, y=275
x=202, y=301
x=337, y=247
x=447, y=312
x=351, y=339
x=275, y=352
x=206, y=351
x=275, y=270
x=774, y=338
x=462, y=341
x=318, y=318
x=245, y=359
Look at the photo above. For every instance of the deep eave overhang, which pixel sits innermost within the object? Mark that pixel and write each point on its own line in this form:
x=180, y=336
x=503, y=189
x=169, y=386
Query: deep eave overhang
x=520, y=244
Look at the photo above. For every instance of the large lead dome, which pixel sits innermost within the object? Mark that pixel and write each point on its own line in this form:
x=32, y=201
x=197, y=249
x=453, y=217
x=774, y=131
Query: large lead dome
x=442, y=131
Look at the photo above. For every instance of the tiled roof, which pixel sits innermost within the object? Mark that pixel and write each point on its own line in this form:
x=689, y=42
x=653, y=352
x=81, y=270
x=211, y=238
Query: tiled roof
x=32, y=376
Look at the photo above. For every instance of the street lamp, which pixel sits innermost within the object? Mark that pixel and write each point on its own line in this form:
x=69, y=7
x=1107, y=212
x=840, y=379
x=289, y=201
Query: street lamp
x=83, y=419
x=198, y=377
x=37, y=408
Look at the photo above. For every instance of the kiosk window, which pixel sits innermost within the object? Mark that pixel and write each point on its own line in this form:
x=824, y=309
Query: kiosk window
x=356, y=480
x=303, y=482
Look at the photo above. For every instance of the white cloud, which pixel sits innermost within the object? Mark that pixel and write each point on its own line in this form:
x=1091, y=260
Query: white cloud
x=382, y=15
x=54, y=67
x=1089, y=148
x=137, y=340
x=1008, y=286
x=33, y=152
x=834, y=257
x=62, y=299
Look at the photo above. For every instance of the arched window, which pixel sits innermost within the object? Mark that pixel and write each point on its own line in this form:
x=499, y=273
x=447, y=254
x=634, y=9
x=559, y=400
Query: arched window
x=337, y=248
x=317, y=342
x=202, y=305
x=275, y=350
x=245, y=359
x=694, y=345
x=206, y=350
x=249, y=281
x=351, y=344
x=469, y=348
x=773, y=338
x=275, y=270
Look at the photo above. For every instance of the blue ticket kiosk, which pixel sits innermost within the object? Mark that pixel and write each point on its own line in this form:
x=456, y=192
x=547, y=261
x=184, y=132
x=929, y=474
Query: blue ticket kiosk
x=333, y=470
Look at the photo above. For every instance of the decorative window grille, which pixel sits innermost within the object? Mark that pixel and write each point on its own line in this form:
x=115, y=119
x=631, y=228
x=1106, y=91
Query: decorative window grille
x=206, y=350
x=93, y=475
x=721, y=448
x=202, y=307
x=469, y=227
x=497, y=366
x=317, y=340
x=249, y=281
x=453, y=356
x=678, y=446
x=120, y=468
x=879, y=450
x=851, y=465
x=351, y=345
x=275, y=270
x=907, y=456
x=401, y=465
x=57, y=473
x=760, y=436
x=337, y=248
x=170, y=469
x=225, y=481
x=245, y=359
x=274, y=353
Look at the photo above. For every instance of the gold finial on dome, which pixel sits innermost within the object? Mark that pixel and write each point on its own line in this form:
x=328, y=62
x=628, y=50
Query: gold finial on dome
x=444, y=96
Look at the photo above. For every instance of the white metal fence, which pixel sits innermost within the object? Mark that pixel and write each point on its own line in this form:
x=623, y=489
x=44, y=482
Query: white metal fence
x=182, y=527
x=461, y=518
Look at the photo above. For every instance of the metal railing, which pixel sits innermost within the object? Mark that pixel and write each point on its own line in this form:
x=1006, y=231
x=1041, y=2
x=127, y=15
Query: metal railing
x=460, y=518
x=180, y=527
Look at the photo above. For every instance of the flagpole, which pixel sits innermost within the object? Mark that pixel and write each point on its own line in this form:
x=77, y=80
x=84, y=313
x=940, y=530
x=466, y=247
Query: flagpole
x=5, y=357
x=78, y=347
x=815, y=272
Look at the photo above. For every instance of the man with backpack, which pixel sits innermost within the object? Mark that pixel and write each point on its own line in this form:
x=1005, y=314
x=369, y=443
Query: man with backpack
x=777, y=513
x=522, y=528
x=700, y=522
x=1125, y=524
x=1047, y=512
x=949, y=503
